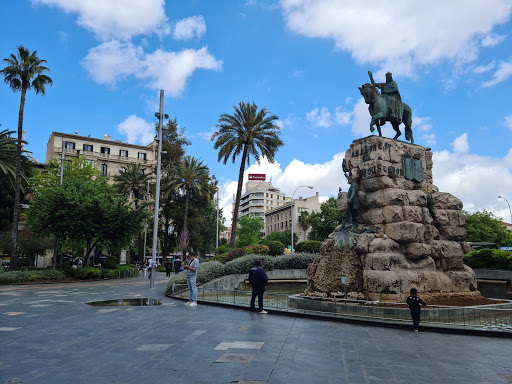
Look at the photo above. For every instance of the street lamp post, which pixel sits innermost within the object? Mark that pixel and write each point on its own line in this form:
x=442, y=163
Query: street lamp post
x=503, y=197
x=292, y=209
x=143, y=256
x=56, y=243
x=217, y=237
x=160, y=115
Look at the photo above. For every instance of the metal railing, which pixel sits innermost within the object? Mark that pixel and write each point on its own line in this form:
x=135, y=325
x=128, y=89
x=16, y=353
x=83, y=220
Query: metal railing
x=497, y=317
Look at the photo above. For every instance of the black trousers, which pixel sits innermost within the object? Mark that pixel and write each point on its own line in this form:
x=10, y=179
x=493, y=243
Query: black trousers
x=415, y=318
x=257, y=292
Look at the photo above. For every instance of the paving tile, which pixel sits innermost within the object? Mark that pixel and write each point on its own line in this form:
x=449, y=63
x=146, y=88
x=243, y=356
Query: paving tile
x=242, y=358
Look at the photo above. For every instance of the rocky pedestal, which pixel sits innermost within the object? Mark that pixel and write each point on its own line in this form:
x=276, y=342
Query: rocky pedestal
x=419, y=239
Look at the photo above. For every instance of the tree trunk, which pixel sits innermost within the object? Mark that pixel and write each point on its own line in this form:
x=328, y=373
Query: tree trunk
x=185, y=220
x=13, y=265
x=238, y=196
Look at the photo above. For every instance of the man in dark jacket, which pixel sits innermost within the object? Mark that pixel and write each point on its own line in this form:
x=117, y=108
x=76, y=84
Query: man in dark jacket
x=413, y=301
x=258, y=279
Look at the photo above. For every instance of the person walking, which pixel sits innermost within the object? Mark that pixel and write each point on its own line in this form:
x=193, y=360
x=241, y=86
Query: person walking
x=258, y=279
x=150, y=266
x=192, y=268
x=178, y=265
x=168, y=268
x=413, y=301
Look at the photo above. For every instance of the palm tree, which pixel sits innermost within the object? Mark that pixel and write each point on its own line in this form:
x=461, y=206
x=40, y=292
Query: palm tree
x=23, y=72
x=134, y=181
x=191, y=177
x=250, y=132
x=7, y=153
x=304, y=223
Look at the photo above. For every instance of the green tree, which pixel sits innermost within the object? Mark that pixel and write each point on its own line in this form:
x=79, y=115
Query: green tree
x=23, y=72
x=249, y=232
x=191, y=177
x=85, y=208
x=247, y=132
x=7, y=153
x=133, y=181
x=324, y=222
x=485, y=227
x=284, y=237
x=304, y=223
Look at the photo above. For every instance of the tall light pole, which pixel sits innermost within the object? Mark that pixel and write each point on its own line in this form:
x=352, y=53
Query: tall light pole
x=143, y=256
x=160, y=116
x=56, y=243
x=292, y=208
x=503, y=197
x=217, y=238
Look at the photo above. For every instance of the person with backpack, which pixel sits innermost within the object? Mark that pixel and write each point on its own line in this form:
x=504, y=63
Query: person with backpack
x=258, y=279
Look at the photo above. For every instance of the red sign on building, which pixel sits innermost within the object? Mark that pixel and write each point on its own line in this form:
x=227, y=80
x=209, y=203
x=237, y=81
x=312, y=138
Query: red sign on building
x=257, y=176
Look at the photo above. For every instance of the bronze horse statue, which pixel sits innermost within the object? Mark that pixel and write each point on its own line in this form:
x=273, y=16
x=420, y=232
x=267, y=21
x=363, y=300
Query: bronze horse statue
x=380, y=112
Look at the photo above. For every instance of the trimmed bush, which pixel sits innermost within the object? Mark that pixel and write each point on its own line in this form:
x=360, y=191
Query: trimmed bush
x=33, y=275
x=244, y=264
x=275, y=248
x=294, y=261
x=310, y=246
x=489, y=258
x=110, y=263
x=207, y=272
x=235, y=254
x=261, y=250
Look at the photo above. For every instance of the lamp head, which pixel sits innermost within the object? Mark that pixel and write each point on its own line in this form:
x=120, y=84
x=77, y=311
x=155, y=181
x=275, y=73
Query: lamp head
x=501, y=197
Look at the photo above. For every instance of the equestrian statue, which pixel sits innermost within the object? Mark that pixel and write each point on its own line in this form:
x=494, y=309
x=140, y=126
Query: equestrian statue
x=387, y=105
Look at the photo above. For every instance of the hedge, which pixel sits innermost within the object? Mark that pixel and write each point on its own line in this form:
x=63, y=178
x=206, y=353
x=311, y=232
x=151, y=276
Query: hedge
x=489, y=258
x=310, y=246
x=275, y=248
x=33, y=275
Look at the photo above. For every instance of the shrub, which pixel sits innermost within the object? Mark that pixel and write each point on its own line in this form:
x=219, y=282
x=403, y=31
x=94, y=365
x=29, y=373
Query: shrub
x=502, y=259
x=310, y=246
x=110, y=263
x=261, y=250
x=489, y=258
x=244, y=264
x=207, y=272
x=33, y=275
x=224, y=248
x=235, y=254
x=294, y=261
x=275, y=248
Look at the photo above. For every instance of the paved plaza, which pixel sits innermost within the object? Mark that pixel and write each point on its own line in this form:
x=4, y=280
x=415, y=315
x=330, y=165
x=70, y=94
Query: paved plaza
x=49, y=335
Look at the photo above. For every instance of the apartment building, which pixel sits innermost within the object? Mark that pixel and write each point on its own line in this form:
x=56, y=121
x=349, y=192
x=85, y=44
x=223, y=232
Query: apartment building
x=280, y=218
x=259, y=197
x=109, y=157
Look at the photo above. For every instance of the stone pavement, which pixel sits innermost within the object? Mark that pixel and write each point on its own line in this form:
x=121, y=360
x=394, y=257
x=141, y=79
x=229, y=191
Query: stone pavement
x=48, y=335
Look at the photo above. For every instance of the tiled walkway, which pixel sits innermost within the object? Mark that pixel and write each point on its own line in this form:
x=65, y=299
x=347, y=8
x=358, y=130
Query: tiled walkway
x=49, y=335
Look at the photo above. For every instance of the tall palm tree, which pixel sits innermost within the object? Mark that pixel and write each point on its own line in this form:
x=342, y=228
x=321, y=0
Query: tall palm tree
x=23, y=72
x=7, y=153
x=191, y=177
x=249, y=132
x=134, y=181
x=304, y=223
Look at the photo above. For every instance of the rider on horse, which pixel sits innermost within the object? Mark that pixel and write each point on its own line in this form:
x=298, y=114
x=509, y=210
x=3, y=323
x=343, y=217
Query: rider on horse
x=389, y=89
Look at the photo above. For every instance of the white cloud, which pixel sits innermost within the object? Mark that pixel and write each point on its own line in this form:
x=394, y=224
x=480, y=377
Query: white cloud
x=404, y=35
x=137, y=130
x=298, y=73
x=492, y=40
x=503, y=72
x=205, y=135
x=476, y=180
x=113, y=61
x=421, y=124
x=460, y=144
x=109, y=19
x=324, y=118
x=362, y=118
x=485, y=68
x=187, y=28
x=429, y=139
x=508, y=122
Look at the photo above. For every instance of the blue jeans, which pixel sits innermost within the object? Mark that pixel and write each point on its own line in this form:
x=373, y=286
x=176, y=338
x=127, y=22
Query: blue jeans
x=191, y=281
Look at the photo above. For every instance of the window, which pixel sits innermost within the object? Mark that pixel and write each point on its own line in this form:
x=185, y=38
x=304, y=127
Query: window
x=142, y=156
x=105, y=150
x=69, y=145
x=90, y=162
x=122, y=169
x=104, y=169
x=88, y=147
x=123, y=153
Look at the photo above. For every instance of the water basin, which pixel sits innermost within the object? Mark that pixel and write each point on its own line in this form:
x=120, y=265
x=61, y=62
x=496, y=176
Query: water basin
x=138, y=302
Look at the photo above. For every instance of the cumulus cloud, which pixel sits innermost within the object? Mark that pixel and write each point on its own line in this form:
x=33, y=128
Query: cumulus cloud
x=324, y=118
x=113, y=61
x=402, y=36
x=109, y=19
x=137, y=130
x=187, y=28
x=503, y=72
x=460, y=144
x=492, y=40
x=421, y=124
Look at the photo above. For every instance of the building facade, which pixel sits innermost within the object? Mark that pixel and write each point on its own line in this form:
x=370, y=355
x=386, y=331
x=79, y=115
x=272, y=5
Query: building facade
x=109, y=157
x=280, y=218
x=259, y=197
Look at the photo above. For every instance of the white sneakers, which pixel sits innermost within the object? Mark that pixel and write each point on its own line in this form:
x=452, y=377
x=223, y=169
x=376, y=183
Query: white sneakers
x=263, y=312
x=188, y=303
x=193, y=304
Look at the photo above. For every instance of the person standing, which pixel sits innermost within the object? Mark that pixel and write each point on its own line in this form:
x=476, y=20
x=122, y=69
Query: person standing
x=413, y=301
x=178, y=265
x=168, y=268
x=150, y=266
x=192, y=268
x=258, y=279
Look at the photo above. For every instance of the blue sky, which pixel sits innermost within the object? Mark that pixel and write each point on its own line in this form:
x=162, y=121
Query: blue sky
x=301, y=59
